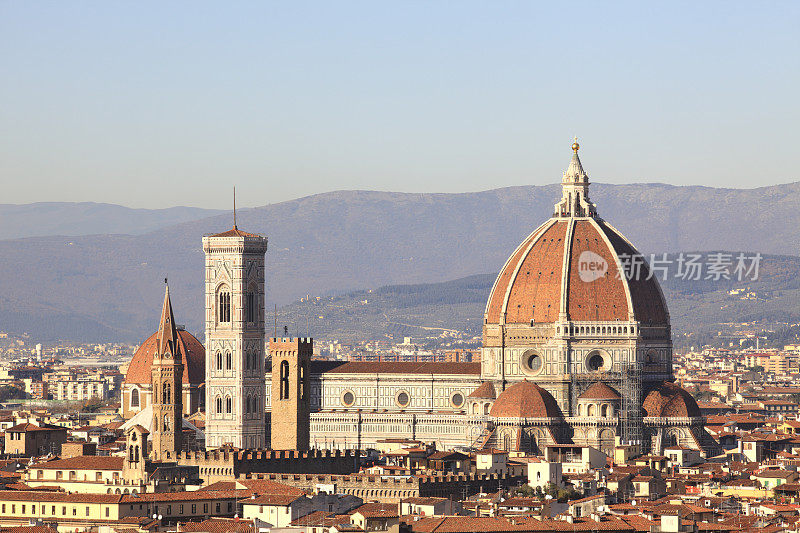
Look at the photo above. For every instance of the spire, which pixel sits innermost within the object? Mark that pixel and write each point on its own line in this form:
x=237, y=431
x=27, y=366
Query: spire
x=575, y=190
x=167, y=338
x=234, y=207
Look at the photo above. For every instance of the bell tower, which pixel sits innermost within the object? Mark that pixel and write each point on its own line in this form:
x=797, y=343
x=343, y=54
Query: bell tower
x=166, y=377
x=235, y=390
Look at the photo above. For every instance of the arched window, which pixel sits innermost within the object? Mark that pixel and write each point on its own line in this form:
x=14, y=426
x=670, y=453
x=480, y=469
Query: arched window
x=228, y=361
x=167, y=398
x=135, y=398
x=590, y=410
x=486, y=408
x=284, y=380
x=604, y=411
x=219, y=361
x=224, y=306
x=166, y=422
x=219, y=405
x=247, y=405
x=228, y=405
x=130, y=453
x=136, y=454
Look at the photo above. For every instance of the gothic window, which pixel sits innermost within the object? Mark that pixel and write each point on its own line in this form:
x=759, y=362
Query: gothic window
x=247, y=405
x=219, y=361
x=284, y=380
x=224, y=307
x=228, y=405
x=228, y=361
x=219, y=405
x=166, y=398
x=135, y=398
x=166, y=422
x=130, y=453
x=250, y=307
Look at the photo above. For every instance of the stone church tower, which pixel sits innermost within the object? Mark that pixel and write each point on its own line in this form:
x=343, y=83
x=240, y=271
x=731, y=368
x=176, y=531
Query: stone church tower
x=235, y=392
x=290, y=419
x=166, y=375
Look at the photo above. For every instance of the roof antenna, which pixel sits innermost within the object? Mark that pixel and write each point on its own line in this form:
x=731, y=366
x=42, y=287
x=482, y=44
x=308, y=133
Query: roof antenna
x=234, y=207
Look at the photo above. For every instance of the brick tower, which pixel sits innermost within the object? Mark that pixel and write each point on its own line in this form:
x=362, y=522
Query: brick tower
x=290, y=420
x=235, y=391
x=166, y=375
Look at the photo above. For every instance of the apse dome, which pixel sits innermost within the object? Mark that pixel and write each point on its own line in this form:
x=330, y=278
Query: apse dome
x=525, y=400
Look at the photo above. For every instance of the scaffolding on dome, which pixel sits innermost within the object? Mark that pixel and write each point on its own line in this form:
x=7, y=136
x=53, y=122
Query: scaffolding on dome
x=632, y=406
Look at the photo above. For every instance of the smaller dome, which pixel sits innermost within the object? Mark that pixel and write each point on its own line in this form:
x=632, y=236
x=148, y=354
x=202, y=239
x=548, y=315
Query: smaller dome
x=525, y=400
x=484, y=392
x=669, y=401
x=599, y=391
x=193, y=358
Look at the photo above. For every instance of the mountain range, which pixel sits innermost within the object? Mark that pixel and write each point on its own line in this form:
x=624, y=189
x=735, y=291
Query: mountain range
x=98, y=274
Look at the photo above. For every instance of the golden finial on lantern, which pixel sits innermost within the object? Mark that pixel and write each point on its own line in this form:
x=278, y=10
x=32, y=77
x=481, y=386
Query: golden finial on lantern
x=575, y=145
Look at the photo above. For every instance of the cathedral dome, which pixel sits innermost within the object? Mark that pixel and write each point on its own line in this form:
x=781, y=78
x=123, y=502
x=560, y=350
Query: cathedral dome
x=525, y=400
x=599, y=391
x=670, y=400
x=569, y=268
x=193, y=357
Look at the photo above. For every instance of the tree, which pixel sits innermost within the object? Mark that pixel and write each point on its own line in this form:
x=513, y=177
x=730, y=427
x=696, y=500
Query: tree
x=10, y=392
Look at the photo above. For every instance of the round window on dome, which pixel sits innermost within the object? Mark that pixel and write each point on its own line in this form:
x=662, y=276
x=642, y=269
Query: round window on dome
x=457, y=399
x=532, y=361
x=348, y=398
x=402, y=399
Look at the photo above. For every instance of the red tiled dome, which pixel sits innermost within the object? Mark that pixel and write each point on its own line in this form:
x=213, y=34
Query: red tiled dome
x=599, y=391
x=193, y=357
x=525, y=400
x=670, y=400
x=530, y=285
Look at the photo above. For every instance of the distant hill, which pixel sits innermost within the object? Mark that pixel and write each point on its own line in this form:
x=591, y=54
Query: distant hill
x=97, y=287
x=421, y=309
x=89, y=218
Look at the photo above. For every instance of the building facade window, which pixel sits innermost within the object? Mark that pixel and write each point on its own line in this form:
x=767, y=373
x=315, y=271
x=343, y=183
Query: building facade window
x=135, y=398
x=224, y=307
x=284, y=380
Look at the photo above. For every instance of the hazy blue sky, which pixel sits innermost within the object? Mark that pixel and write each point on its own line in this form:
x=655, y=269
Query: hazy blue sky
x=154, y=104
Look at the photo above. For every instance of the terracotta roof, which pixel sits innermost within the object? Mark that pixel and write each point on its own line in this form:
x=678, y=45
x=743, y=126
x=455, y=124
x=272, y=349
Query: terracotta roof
x=234, y=232
x=83, y=462
x=669, y=400
x=525, y=400
x=403, y=368
x=485, y=391
x=281, y=500
x=25, y=427
x=193, y=358
x=529, y=287
x=220, y=525
x=599, y=391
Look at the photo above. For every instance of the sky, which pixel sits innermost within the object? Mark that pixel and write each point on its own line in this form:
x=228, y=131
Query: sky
x=157, y=104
